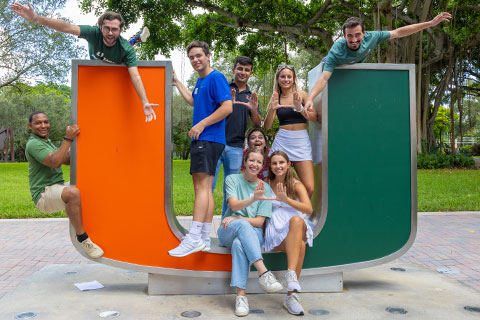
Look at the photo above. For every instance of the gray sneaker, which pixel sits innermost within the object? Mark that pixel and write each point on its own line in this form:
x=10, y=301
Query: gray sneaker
x=292, y=281
x=269, y=283
x=186, y=247
x=241, y=306
x=293, y=306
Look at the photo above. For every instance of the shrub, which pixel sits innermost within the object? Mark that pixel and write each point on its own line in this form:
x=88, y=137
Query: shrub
x=440, y=161
x=475, y=149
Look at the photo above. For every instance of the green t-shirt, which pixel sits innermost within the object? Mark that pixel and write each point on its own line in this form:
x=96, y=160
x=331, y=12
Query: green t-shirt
x=340, y=54
x=121, y=52
x=236, y=186
x=39, y=175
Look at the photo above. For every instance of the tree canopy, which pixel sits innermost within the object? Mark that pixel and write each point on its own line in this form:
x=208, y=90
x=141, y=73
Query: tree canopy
x=272, y=31
x=29, y=51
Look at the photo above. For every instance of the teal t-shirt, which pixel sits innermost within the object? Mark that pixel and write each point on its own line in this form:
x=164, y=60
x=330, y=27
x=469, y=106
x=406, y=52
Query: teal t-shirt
x=340, y=54
x=40, y=175
x=121, y=52
x=236, y=186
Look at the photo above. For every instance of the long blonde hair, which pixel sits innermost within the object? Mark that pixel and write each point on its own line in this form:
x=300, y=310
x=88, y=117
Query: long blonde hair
x=290, y=176
x=276, y=86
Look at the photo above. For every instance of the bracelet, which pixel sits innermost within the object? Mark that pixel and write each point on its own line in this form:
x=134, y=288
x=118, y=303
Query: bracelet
x=301, y=109
x=65, y=138
x=36, y=18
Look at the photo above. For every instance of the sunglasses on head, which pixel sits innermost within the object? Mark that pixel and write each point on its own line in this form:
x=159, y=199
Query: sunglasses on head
x=282, y=66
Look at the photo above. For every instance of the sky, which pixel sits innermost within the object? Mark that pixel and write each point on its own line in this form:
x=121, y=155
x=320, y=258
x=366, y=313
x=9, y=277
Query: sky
x=180, y=62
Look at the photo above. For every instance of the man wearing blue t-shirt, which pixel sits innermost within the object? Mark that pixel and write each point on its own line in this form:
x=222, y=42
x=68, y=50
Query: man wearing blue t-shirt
x=212, y=102
x=104, y=43
x=357, y=45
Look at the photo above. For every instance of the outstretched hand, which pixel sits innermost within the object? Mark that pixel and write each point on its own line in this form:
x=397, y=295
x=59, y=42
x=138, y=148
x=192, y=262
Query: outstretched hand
x=259, y=193
x=174, y=78
x=274, y=102
x=25, y=12
x=251, y=104
x=444, y=16
x=149, y=113
x=282, y=192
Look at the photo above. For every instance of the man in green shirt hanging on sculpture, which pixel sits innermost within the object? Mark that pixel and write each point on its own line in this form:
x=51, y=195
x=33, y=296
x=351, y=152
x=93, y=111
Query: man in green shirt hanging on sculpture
x=357, y=45
x=104, y=43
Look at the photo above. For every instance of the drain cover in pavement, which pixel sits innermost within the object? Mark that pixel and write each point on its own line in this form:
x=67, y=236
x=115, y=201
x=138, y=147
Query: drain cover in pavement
x=318, y=312
x=258, y=311
x=109, y=314
x=25, y=315
x=398, y=269
x=448, y=271
x=396, y=310
x=472, y=309
x=191, y=314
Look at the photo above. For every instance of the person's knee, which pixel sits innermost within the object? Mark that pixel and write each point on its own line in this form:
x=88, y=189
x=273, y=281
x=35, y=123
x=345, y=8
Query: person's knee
x=70, y=194
x=296, y=223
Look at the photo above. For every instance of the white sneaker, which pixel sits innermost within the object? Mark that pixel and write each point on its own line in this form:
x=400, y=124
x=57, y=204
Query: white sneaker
x=293, y=306
x=292, y=281
x=186, y=247
x=91, y=249
x=269, y=283
x=207, y=244
x=241, y=306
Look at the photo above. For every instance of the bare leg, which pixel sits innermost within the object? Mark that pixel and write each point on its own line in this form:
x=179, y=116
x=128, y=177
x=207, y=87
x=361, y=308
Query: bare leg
x=203, y=206
x=292, y=244
x=304, y=170
x=241, y=292
x=260, y=266
x=73, y=207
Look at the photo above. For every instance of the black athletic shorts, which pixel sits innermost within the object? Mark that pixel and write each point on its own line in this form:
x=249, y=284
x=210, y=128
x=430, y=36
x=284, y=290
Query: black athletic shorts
x=204, y=156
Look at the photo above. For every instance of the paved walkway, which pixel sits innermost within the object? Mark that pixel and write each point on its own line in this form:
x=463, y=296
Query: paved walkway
x=444, y=240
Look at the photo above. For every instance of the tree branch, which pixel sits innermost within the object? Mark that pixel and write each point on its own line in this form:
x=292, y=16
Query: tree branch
x=319, y=13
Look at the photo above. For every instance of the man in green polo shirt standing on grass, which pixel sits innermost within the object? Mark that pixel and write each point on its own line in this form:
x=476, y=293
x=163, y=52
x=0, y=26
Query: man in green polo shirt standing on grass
x=46, y=177
x=104, y=43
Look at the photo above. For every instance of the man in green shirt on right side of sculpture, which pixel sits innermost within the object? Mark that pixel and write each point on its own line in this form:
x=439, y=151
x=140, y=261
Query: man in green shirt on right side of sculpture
x=357, y=45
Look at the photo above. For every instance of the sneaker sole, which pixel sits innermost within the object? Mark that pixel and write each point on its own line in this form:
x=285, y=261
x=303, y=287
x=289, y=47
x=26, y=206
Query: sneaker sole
x=285, y=284
x=295, y=314
x=206, y=249
x=145, y=34
x=241, y=314
x=188, y=253
x=272, y=290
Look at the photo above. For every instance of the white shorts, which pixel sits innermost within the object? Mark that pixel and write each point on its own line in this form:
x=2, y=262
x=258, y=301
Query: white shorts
x=295, y=143
x=51, y=199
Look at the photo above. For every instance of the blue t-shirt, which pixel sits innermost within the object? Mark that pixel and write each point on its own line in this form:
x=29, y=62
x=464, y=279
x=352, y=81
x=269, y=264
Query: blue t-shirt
x=340, y=54
x=209, y=92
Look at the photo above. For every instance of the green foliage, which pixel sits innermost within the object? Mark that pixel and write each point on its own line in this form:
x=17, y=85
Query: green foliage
x=16, y=104
x=33, y=52
x=442, y=122
x=441, y=161
x=475, y=149
x=182, y=115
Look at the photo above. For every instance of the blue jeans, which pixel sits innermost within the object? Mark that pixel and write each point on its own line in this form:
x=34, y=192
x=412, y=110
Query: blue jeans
x=232, y=163
x=244, y=240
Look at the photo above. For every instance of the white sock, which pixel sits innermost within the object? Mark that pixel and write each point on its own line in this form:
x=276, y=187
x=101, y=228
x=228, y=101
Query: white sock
x=206, y=230
x=196, y=230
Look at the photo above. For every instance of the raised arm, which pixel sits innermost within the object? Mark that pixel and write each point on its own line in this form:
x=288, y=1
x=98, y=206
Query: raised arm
x=138, y=84
x=184, y=92
x=62, y=155
x=29, y=14
x=303, y=203
x=413, y=28
x=252, y=105
x=224, y=110
x=317, y=88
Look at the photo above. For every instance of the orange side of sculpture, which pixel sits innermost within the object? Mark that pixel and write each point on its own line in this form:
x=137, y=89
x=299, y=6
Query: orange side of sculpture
x=120, y=170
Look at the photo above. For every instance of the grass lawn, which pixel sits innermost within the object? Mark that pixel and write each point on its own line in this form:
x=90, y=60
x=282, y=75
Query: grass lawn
x=448, y=190
x=438, y=190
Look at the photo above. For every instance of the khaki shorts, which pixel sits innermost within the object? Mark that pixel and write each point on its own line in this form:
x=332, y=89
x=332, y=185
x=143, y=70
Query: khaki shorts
x=51, y=199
